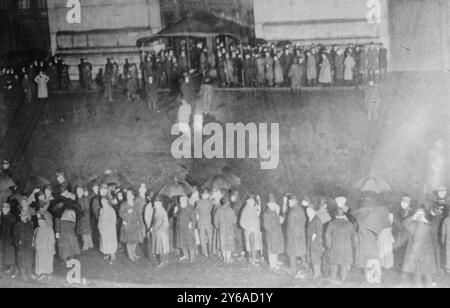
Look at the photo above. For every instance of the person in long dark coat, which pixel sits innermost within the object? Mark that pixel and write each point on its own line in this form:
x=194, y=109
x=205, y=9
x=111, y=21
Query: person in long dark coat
x=151, y=90
x=132, y=230
x=65, y=76
x=296, y=233
x=273, y=233
x=314, y=243
x=204, y=218
x=187, y=89
x=84, y=222
x=339, y=67
x=420, y=259
x=237, y=205
x=445, y=241
x=224, y=220
x=341, y=240
x=108, y=80
x=372, y=219
x=7, y=252
x=249, y=69
x=260, y=68
x=296, y=75
x=52, y=73
x=23, y=233
x=29, y=89
x=131, y=87
x=184, y=229
x=67, y=240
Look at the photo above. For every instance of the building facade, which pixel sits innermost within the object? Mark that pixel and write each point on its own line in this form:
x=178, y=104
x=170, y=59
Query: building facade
x=240, y=11
x=108, y=28
x=24, y=27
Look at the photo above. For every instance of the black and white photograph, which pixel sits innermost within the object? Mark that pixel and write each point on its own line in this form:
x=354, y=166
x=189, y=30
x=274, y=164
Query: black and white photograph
x=216, y=144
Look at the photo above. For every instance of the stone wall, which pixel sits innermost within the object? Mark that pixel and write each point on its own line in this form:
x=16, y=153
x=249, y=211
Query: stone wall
x=108, y=28
x=240, y=11
x=319, y=21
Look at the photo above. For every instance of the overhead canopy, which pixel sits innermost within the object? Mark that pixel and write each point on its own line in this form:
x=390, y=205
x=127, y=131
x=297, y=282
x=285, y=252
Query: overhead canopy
x=202, y=25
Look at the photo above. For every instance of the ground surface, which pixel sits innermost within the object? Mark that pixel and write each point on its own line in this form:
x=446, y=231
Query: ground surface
x=326, y=145
x=205, y=273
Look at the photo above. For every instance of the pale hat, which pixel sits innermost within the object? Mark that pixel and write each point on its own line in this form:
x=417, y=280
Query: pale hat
x=341, y=202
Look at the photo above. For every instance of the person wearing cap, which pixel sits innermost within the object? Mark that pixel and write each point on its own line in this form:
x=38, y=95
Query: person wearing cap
x=187, y=89
x=273, y=233
x=132, y=229
x=184, y=230
x=224, y=221
x=6, y=168
x=372, y=218
x=295, y=233
x=65, y=229
x=44, y=245
x=420, y=258
x=7, y=252
x=314, y=245
x=108, y=80
x=295, y=75
x=22, y=234
x=340, y=240
x=204, y=211
x=269, y=72
x=84, y=222
x=151, y=90
x=249, y=68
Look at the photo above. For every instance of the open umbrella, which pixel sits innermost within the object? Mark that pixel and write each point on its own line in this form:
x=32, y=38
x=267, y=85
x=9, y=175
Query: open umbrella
x=79, y=181
x=109, y=178
x=226, y=179
x=282, y=44
x=176, y=189
x=372, y=183
x=5, y=182
x=34, y=182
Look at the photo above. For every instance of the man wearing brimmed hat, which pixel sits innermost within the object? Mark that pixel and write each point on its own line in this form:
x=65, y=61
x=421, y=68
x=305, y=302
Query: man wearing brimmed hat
x=6, y=168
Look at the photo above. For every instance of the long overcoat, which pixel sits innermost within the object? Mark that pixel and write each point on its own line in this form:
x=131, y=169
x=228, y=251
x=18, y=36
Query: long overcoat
x=273, y=232
x=296, y=232
x=224, y=221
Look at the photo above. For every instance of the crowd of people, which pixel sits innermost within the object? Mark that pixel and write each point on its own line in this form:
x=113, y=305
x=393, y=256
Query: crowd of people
x=228, y=65
x=321, y=237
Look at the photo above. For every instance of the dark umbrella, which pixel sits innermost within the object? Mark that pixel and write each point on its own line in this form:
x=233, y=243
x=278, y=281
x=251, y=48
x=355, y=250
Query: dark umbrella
x=176, y=189
x=282, y=44
x=226, y=179
x=372, y=183
x=222, y=182
x=34, y=182
x=79, y=181
x=5, y=182
x=257, y=41
x=109, y=178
